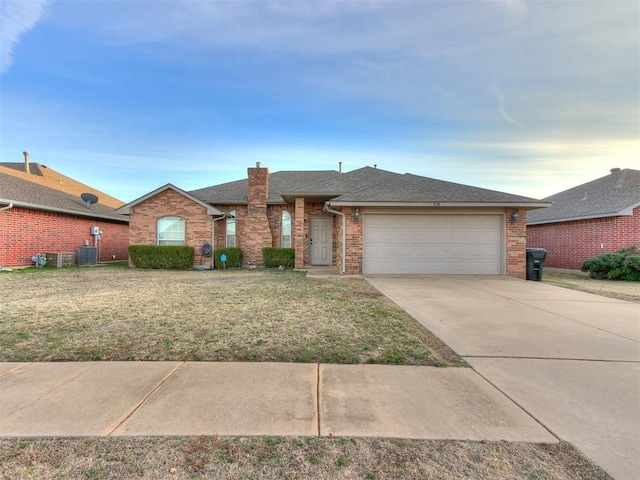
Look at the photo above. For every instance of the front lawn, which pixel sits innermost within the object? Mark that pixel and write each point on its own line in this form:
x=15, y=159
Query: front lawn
x=81, y=314
x=291, y=458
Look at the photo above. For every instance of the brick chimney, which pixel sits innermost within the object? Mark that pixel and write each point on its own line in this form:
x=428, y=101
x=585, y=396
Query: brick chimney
x=257, y=232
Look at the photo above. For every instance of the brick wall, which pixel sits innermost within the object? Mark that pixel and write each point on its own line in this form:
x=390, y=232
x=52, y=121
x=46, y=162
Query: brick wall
x=570, y=243
x=143, y=220
x=257, y=230
x=299, y=232
x=274, y=213
x=354, y=241
x=516, y=244
x=25, y=232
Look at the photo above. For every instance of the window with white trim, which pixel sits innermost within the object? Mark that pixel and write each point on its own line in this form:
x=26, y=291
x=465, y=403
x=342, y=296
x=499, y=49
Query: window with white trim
x=171, y=231
x=231, y=229
x=285, y=230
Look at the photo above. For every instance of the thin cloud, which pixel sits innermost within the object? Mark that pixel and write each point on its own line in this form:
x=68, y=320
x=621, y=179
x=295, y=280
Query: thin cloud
x=501, y=105
x=16, y=18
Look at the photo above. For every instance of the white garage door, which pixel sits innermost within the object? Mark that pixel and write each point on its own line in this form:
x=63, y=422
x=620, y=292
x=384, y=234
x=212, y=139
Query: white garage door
x=433, y=244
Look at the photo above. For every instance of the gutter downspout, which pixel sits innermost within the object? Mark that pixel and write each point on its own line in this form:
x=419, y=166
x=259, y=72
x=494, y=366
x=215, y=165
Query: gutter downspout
x=344, y=233
x=213, y=237
x=9, y=206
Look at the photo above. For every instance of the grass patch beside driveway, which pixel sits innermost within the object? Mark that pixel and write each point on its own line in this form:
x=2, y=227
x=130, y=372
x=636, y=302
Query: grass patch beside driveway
x=83, y=314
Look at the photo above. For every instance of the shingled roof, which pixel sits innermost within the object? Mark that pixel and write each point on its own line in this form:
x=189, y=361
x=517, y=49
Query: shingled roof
x=47, y=177
x=414, y=189
x=26, y=194
x=234, y=193
x=613, y=195
x=364, y=186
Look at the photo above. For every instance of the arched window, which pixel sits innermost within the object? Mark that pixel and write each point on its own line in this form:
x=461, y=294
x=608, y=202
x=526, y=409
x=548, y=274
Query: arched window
x=171, y=231
x=231, y=229
x=285, y=230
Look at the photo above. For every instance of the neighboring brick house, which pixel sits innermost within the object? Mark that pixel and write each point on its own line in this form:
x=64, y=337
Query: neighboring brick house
x=41, y=212
x=364, y=221
x=600, y=216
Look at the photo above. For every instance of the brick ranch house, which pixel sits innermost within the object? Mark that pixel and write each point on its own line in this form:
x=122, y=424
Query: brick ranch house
x=41, y=212
x=601, y=216
x=364, y=221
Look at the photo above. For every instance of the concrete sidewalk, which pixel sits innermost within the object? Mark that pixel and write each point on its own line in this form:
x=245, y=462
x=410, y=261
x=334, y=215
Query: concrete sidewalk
x=175, y=398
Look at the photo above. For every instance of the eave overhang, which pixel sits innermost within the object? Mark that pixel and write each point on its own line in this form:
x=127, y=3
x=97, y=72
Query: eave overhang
x=626, y=212
x=66, y=211
x=126, y=209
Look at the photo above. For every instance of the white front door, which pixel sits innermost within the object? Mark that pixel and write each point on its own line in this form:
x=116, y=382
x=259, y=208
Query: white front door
x=320, y=241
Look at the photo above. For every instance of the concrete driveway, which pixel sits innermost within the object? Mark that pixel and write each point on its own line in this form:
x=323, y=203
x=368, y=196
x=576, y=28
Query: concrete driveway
x=570, y=359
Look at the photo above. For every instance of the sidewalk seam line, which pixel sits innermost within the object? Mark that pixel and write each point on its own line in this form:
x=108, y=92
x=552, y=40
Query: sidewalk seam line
x=318, y=396
x=137, y=406
x=539, y=422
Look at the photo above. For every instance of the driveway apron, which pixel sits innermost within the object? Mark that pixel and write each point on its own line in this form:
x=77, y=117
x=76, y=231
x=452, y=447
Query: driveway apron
x=570, y=359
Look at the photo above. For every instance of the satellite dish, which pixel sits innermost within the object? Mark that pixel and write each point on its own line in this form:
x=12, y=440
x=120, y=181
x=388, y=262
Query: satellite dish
x=89, y=199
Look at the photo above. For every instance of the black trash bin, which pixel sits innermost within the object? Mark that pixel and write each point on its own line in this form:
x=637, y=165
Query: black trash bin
x=535, y=262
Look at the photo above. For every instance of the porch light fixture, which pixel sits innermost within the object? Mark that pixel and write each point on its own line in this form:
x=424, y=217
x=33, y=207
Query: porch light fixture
x=356, y=215
x=514, y=216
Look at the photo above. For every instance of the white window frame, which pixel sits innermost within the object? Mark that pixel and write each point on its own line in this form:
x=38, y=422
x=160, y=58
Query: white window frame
x=231, y=240
x=285, y=240
x=171, y=235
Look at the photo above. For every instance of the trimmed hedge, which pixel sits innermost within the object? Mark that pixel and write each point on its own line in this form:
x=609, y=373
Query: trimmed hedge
x=169, y=257
x=234, y=257
x=622, y=265
x=275, y=257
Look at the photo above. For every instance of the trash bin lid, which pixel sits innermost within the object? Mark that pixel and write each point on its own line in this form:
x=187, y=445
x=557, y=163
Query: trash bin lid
x=536, y=253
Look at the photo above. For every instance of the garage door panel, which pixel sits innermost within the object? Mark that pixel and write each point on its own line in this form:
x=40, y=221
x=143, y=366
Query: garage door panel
x=433, y=244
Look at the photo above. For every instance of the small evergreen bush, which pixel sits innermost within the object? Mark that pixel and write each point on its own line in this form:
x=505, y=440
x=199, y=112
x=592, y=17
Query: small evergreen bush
x=233, y=254
x=275, y=257
x=169, y=257
x=622, y=265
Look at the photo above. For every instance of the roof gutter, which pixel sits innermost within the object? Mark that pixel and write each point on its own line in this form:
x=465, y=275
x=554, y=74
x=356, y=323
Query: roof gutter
x=9, y=206
x=67, y=211
x=344, y=234
x=338, y=203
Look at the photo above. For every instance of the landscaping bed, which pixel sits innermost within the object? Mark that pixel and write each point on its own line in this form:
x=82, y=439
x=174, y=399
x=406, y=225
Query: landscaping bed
x=81, y=314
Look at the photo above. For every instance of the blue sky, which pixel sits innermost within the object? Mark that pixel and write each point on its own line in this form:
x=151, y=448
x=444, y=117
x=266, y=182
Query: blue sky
x=527, y=97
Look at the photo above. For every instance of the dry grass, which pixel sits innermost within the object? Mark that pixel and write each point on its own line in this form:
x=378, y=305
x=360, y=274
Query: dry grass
x=81, y=314
x=291, y=458
x=629, y=291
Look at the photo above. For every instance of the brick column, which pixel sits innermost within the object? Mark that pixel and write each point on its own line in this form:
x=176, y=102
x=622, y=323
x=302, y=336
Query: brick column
x=257, y=232
x=516, y=244
x=298, y=232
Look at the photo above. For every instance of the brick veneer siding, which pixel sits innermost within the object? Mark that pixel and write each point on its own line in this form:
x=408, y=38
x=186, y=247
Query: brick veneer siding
x=257, y=230
x=299, y=231
x=274, y=213
x=569, y=244
x=354, y=241
x=516, y=244
x=143, y=220
x=25, y=232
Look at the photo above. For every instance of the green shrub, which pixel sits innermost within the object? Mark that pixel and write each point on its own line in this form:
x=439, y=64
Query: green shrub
x=234, y=257
x=275, y=257
x=622, y=265
x=169, y=257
